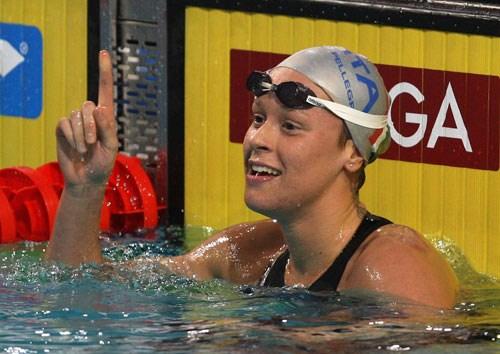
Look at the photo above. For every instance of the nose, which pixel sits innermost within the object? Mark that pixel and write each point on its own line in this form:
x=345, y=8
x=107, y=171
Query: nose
x=261, y=138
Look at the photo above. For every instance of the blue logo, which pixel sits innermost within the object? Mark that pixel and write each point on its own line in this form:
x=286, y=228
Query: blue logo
x=21, y=85
x=370, y=84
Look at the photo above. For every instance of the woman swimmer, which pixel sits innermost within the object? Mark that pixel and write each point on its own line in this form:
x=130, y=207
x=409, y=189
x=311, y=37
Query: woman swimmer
x=318, y=118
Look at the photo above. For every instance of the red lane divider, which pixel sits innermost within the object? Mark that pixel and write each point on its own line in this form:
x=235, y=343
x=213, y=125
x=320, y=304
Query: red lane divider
x=33, y=201
x=29, y=199
x=53, y=176
x=131, y=199
x=7, y=220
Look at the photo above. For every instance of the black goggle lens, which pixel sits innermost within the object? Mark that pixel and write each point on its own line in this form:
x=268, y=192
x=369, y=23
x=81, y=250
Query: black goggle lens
x=291, y=94
x=255, y=83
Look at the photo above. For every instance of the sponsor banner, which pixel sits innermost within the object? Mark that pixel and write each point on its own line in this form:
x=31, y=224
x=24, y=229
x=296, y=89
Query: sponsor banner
x=436, y=117
x=20, y=71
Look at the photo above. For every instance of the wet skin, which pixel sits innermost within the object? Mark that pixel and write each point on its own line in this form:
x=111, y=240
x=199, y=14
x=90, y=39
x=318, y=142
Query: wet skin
x=297, y=172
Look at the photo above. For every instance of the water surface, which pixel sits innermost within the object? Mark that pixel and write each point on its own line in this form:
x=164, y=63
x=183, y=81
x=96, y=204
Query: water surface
x=49, y=308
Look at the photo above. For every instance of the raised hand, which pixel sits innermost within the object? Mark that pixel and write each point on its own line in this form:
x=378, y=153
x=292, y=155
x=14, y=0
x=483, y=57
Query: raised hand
x=87, y=143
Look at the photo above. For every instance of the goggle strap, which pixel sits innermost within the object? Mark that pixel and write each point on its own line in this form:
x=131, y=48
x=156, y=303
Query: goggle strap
x=373, y=121
x=266, y=85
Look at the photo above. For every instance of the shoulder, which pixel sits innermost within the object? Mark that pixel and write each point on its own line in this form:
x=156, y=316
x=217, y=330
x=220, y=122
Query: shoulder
x=398, y=260
x=239, y=253
x=392, y=237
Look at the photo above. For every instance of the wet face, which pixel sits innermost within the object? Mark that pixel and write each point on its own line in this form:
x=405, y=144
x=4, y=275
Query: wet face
x=293, y=158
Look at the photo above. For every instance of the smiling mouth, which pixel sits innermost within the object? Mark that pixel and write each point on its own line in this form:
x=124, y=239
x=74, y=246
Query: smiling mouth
x=263, y=171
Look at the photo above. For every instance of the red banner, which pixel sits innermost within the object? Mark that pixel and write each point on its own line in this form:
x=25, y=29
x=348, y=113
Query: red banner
x=437, y=117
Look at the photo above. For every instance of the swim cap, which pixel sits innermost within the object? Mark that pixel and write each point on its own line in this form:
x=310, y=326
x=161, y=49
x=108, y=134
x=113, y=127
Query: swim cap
x=350, y=80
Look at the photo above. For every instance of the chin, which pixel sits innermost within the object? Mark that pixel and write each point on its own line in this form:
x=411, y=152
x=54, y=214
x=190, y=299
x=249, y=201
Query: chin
x=258, y=206
x=264, y=207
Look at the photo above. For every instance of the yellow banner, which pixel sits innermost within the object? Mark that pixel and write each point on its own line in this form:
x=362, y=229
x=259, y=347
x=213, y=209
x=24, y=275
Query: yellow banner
x=50, y=57
x=458, y=203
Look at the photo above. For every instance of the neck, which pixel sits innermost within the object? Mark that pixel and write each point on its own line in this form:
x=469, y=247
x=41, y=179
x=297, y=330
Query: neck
x=316, y=236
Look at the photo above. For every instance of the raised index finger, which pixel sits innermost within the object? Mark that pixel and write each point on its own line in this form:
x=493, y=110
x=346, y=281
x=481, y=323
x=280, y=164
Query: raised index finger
x=105, y=80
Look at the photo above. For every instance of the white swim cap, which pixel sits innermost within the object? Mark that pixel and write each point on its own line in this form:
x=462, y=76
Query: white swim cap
x=350, y=80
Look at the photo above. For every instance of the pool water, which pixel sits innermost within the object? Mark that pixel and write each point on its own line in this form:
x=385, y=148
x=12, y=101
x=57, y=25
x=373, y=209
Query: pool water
x=47, y=308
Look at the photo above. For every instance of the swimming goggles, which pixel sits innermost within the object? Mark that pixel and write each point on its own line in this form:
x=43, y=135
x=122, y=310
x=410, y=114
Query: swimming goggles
x=297, y=96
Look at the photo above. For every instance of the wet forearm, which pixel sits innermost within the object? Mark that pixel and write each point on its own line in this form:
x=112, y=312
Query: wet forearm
x=75, y=239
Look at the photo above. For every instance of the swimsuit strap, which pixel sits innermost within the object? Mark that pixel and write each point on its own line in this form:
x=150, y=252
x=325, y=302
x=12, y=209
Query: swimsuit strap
x=331, y=277
x=275, y=273
x=329, y=280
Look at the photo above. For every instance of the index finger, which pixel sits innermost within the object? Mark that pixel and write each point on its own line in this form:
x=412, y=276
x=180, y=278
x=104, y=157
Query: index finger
x=105, y=80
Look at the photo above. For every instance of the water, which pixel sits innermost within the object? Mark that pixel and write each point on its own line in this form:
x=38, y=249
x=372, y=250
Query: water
x=45, y=308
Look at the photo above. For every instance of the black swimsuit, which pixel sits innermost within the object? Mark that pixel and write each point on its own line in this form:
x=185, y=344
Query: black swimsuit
x=275, y=274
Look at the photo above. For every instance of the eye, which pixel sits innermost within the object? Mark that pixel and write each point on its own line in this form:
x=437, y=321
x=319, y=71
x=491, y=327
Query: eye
x=290, y=126
x=258, y=120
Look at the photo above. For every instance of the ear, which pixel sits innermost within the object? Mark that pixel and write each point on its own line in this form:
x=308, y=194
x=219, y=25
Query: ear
x=354, y=160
